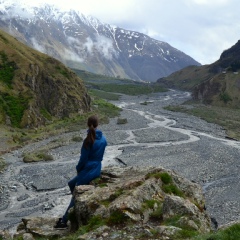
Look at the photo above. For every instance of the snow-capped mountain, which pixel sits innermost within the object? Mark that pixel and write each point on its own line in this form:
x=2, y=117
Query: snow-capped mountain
x=83, y=42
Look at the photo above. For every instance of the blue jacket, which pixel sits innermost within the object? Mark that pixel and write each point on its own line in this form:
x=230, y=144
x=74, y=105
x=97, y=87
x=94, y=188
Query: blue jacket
x=89, y=164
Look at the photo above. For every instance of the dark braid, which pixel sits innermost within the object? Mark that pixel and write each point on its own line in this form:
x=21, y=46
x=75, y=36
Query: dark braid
x=92, y=124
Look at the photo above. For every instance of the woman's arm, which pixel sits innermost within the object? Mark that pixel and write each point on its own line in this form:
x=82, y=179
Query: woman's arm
x=83, y=158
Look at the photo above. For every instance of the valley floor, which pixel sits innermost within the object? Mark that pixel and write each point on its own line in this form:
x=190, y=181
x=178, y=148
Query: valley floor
x=152, y=136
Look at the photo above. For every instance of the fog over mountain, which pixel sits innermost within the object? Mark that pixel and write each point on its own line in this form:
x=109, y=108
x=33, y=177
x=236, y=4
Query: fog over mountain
x=83, y=42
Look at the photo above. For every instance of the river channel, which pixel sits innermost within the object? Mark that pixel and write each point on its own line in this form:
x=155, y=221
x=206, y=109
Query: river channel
x=152, y=136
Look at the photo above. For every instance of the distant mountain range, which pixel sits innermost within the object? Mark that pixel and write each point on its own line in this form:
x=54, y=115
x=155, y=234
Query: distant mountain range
x=85, y=43
x=217, y=83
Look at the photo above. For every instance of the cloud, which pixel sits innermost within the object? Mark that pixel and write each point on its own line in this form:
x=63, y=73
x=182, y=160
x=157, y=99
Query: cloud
x=212, y=2
x=199, y=28
x=71, y=56
x=89, y=45
x=105, y=46
x=99, y=43
x=102, y=44
x=37, y=46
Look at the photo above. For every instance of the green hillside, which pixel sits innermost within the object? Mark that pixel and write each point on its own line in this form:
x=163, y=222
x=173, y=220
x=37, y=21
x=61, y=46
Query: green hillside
x=34, y=88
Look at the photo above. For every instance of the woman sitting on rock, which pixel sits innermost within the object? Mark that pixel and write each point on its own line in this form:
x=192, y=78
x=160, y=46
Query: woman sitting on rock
x=89, y=164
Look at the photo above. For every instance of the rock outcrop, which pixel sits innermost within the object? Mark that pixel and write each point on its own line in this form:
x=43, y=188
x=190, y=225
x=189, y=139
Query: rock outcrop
x=141, y=203
x=36, y=89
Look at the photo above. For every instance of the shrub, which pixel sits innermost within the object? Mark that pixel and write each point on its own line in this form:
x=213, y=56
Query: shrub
x=166, y=178
x=116, y=217
x=6, y=69
x=122, y=121
x=46, y=114
x=171, y=188
x=225, y=97
x=14, y=108
x=2, y=164
x=77, y=139
x=157, y=213
x=168, y=185
x=93, y=223
x=36, y=157
x=155, y=205
x=231, y=233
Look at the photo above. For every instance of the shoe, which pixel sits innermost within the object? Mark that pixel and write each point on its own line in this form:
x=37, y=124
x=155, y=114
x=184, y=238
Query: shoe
x=60, y=224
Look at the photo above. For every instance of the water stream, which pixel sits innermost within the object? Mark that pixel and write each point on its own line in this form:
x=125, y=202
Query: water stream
x=41, y=189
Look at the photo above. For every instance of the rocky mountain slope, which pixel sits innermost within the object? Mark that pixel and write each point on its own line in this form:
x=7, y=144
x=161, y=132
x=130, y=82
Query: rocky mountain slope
x=36, y=88
x=85, y=43
x=217, y=83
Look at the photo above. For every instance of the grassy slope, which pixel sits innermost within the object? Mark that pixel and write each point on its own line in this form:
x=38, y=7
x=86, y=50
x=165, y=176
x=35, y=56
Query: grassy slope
x=187, y=78
x=99, y=83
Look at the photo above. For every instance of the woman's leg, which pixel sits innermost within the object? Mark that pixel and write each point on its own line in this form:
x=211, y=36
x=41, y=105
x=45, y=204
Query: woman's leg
x=65, y=216
x=72, y=183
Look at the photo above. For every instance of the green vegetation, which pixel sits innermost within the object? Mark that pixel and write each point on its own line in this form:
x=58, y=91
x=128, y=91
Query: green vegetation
x=116, y=194
x=185, y=234
x=133, y=88
x=4, y=39
x=46, y=114
x=99, y=182
x=62, y=71
x=104, y=95
x=112, y=197
x=225, y=97
x=228, y=118
x=2, y=164
x=88, y=76
x=36, y=157
x=14, y=107
x=145, y=103
x=106, y=108
x=172, y=188
x=166, y=178
x=188, y=77
x=154, y=175
x=77, y=139
x=93, y=223
x=6, y=69
x=155, y=206
x=231, y=233
x=168, y=184
x=116, y=217
x=101, y=85
x=157, y=213
x=186, y=231
x=122, y=121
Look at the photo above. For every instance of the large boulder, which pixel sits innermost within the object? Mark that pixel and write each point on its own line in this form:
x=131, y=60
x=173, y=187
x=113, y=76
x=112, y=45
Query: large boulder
x=146, y=198
x=129, y=203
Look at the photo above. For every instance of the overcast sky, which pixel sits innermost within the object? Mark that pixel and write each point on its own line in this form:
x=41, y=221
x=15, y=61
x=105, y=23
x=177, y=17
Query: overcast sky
x=200, y=28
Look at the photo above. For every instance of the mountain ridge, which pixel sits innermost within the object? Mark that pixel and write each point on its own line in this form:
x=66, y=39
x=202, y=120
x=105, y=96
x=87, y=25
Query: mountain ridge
x=86, y=43
x=217, y=83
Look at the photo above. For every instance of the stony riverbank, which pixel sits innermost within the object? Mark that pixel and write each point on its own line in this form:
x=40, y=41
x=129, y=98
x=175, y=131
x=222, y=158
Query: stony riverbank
x=152, y=136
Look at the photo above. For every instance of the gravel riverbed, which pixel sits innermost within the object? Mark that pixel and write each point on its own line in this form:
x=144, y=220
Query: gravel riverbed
x=152, y=136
